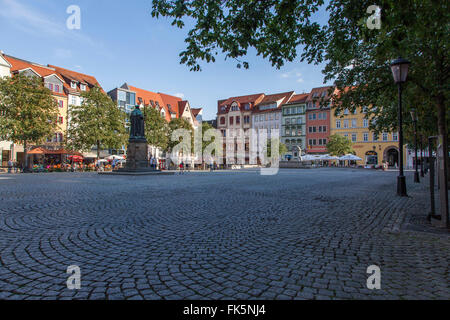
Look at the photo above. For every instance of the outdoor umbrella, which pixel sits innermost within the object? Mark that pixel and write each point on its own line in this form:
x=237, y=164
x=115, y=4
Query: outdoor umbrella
x=114, y=157
x=350, y=157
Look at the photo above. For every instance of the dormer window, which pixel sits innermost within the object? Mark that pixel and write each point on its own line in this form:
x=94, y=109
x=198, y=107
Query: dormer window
x=222, y=108
x=82, y=87
x=73, y=85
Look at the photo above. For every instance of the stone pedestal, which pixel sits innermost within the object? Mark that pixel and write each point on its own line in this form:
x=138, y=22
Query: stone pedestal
x=137, y=156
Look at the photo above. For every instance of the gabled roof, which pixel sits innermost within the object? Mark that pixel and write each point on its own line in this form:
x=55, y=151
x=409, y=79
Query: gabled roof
x=316, y=94
x=42, y=71
x=19, y=65
x=171, y=101
x=168, y=102
x=298, y=98
x=252, y=99
x=68, y=76
x=3, y=59
x=196, y=111
x=244, y=99
x=277, y=97
x=273, y=98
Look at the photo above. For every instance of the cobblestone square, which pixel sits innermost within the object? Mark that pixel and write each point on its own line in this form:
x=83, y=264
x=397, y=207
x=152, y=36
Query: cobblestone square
x=301, y=234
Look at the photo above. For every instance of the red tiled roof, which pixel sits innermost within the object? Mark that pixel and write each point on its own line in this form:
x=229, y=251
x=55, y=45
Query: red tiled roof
x=272, y=98
x=19, y=64
x=318, y=92
x=298, y=98
x=164, y=101
x=43, y=71
x=241, y=101
x=172, y=101
x=196, y=111
x=68, y=76
x=148, y=96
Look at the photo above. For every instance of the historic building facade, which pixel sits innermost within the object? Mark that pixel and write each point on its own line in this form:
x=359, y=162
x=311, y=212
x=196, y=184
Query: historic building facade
x=234, y=119
x=75, y=84
x=55, y=84
x=294, y=126
x=318, y=120
x=372, y=148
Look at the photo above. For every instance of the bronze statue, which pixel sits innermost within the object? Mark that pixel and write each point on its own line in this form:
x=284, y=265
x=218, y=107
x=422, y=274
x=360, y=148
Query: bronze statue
x=137, y=130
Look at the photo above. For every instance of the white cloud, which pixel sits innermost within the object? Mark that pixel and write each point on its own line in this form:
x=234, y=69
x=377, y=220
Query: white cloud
x=179, y=95
x=293, y=74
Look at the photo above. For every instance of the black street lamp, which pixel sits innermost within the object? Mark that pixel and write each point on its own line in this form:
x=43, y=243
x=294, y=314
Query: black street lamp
x=400, y=69
x=416, y=165
x=422, y=172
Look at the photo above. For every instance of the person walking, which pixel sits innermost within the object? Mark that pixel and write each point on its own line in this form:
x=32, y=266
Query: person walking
x=10, y=165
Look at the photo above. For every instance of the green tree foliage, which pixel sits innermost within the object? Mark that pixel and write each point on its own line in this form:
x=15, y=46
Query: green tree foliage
x=28, y=112
x=97, y=122
x=156, y=128
x=274, y=28
x=354, y=55
x=282, y=148
x=176, y=124
x=339, y=145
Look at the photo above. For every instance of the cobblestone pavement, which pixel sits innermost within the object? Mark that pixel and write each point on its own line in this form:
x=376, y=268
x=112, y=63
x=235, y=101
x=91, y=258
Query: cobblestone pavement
x=302, y=234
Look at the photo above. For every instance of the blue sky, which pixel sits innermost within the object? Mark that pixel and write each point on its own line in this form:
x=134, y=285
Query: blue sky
x=120, y=42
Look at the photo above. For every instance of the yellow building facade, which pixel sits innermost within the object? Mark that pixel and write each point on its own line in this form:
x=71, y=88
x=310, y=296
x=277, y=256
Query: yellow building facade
x=374, y=149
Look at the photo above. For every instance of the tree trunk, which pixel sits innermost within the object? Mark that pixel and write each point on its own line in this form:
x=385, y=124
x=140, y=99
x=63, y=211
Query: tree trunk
x=25, y=154
x=98, y=150
x=442, y=126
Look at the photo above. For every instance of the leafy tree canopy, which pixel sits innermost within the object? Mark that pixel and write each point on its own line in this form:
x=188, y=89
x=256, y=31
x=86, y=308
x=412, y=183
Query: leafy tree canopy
x=28, y=112
x=339, y=145
x=156, y=128
x=180, y=123
x=355, y=55
x=97, y=122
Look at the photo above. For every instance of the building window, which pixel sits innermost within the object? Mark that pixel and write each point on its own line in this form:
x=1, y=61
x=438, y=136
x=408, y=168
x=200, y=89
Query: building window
x=61, y=120
x=365, y=123
x=385, y=136
x=354, y=137
x=320, y=116
x=354, y=123
x=375, y=137
x=238, y=120
x=61, y=103
x=338, y=124
x=73, y=100
x=324, y=116
x=366, y=137
x=231, y=120
x=345, y=124
x=222, y=120
x=73, y=85
x=395, y=136
x=83, y=87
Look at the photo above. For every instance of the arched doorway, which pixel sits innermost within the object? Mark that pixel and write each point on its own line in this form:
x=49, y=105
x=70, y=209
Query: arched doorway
x=391, y=156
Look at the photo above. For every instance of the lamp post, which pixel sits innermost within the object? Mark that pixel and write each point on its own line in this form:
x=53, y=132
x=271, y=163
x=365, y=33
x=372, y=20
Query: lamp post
x=416, y=165
x=399, y=70
x=422, y=173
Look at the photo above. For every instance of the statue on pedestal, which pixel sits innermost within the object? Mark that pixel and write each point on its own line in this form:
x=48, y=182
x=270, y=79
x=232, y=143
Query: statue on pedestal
x=137, y=130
